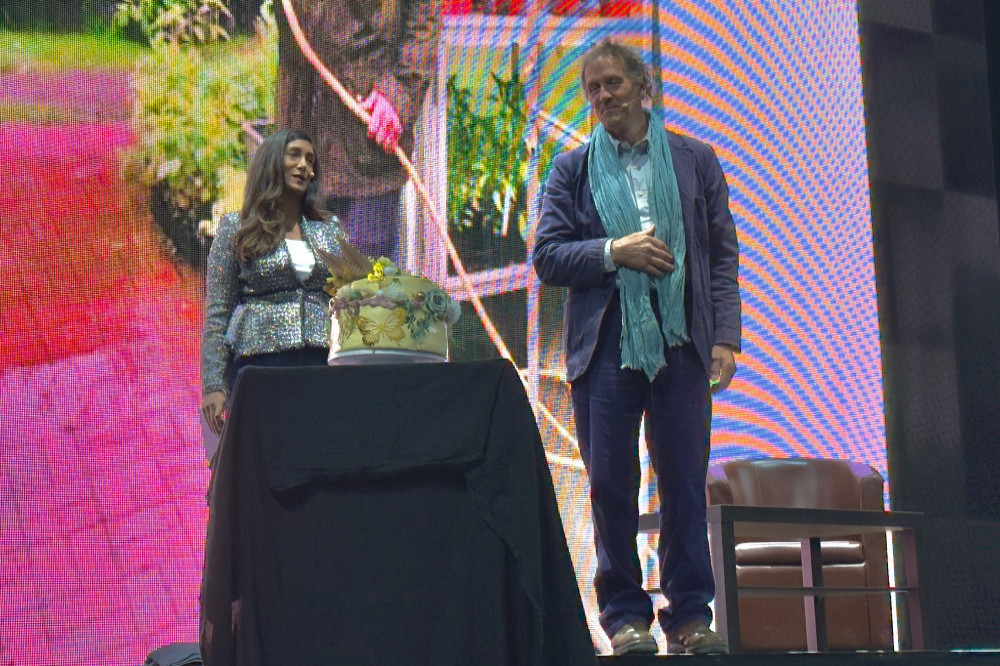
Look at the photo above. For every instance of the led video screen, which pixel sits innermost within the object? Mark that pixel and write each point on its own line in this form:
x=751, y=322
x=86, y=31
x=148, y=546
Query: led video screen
x=119, y=158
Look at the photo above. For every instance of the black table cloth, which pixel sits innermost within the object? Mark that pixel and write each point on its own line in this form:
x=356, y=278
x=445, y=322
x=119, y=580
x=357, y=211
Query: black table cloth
x=386, y=514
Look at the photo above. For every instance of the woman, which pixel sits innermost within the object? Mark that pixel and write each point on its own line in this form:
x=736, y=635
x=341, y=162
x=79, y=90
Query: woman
x=264, y=299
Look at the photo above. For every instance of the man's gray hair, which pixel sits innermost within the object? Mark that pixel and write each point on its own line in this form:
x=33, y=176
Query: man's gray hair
x=635, y=68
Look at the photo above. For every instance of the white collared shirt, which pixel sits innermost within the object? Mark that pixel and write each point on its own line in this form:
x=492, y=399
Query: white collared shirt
x=635, y=162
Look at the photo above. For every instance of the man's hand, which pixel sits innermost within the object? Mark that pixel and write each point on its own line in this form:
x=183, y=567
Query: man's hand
x=384, y=126
x=214, y=407
x=723, y=368
x=643, y=252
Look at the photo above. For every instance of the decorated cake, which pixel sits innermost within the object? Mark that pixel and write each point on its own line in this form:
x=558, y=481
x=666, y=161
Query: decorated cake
x=388, y=316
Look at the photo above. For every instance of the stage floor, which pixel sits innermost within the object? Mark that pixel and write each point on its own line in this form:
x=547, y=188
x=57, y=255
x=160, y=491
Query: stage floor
x=926, y=658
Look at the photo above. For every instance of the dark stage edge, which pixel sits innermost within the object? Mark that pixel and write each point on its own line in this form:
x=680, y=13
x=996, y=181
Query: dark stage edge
x=927, y=658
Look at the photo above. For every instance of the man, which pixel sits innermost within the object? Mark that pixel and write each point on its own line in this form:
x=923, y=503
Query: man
x=385, y=54
x=637, y=225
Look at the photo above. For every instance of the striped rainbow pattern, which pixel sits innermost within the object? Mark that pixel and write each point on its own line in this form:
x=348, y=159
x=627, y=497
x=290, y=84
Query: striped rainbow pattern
x=775, y=87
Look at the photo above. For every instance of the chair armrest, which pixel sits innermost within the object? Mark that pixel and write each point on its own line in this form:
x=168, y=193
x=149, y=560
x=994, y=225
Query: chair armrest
x=717, y=489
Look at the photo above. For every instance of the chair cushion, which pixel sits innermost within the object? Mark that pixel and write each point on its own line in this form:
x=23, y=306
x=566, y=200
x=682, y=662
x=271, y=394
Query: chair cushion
x=789, y=553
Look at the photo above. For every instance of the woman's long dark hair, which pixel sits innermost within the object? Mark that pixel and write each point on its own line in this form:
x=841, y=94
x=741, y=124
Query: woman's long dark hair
x=262, y=225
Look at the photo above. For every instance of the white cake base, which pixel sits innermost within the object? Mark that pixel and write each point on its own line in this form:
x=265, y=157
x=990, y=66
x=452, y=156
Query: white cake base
x=382, y=356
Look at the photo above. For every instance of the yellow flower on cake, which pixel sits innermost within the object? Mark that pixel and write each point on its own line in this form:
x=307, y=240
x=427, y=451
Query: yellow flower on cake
x=382, y=268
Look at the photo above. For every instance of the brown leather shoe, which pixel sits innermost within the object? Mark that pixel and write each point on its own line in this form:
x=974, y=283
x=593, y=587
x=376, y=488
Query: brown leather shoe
x=634, y=639
x=696, y=638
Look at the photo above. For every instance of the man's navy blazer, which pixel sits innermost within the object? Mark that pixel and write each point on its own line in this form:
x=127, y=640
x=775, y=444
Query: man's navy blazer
x=569, y=251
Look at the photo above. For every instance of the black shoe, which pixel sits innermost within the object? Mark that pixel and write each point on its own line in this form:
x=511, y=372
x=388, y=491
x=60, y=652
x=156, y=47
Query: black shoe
x=696, y=638
x=634, y=639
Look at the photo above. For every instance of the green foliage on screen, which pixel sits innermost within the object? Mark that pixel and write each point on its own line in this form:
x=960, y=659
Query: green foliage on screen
x=41, y=50
x=191, y=101
x=488, y=156
x=176, y=21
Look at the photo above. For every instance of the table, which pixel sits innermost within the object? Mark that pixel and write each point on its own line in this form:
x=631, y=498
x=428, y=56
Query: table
x=727, y=522
x=386, y=514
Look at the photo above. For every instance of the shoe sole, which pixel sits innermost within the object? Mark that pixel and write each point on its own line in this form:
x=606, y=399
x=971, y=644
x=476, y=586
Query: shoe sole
x=705, y=649
x=640, y=648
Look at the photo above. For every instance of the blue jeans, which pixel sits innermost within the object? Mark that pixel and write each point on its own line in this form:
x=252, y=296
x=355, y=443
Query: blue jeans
x=609, y=404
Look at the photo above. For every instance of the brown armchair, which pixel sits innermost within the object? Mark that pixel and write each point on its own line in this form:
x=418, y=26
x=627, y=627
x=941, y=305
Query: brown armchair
x=778, y=623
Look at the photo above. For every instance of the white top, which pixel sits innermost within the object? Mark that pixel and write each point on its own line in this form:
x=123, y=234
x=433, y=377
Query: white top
x=303, y=260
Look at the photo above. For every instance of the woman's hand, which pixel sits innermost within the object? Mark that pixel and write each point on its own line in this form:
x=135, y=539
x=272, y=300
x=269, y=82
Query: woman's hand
x=214, y=408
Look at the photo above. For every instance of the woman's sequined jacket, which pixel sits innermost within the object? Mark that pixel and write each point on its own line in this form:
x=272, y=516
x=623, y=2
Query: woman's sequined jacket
x=263, y=306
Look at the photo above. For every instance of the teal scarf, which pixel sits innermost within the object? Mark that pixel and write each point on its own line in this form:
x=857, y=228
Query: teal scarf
x=642, y=340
